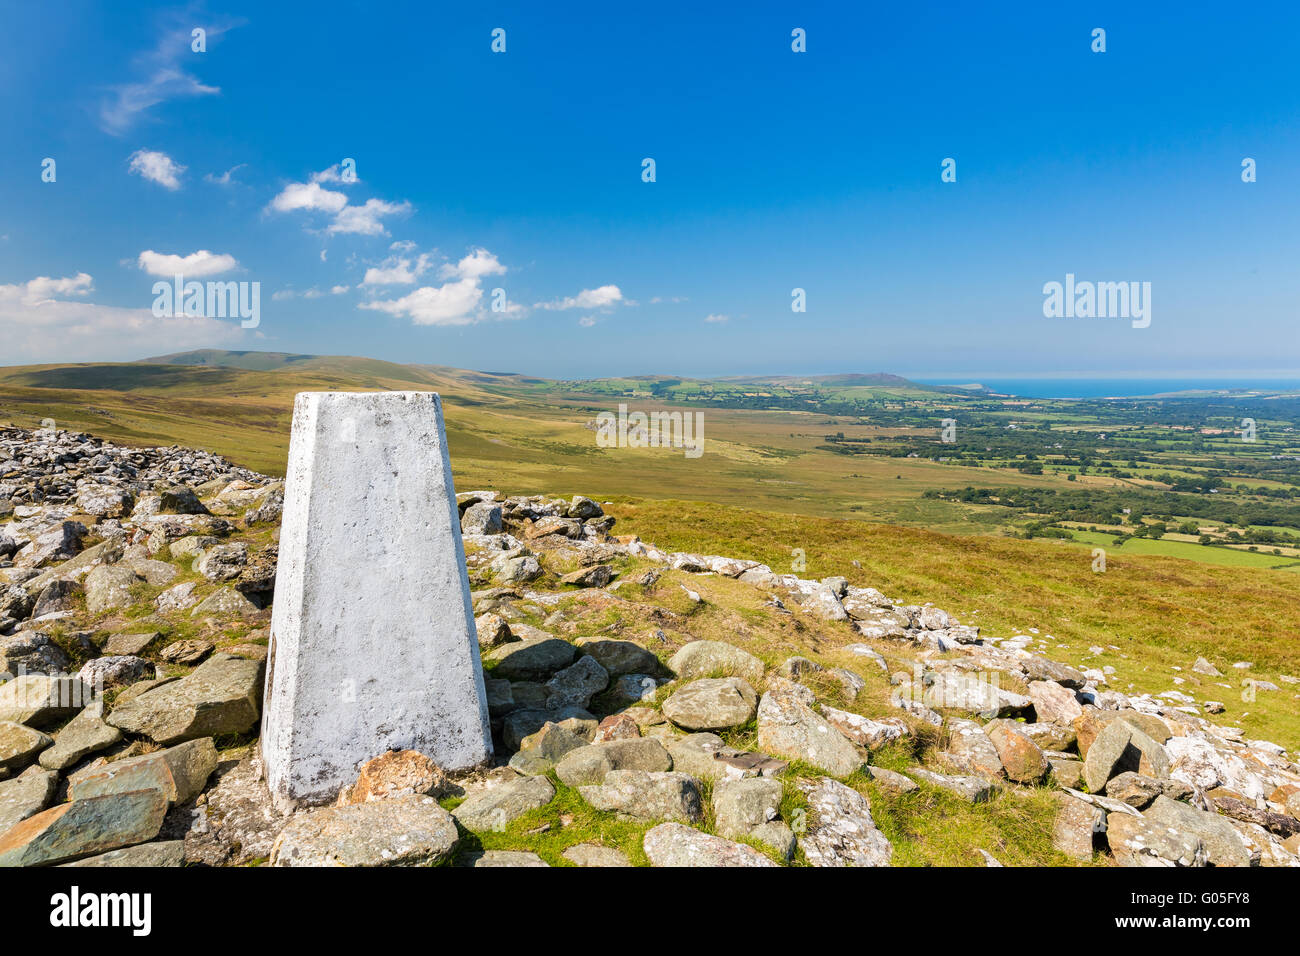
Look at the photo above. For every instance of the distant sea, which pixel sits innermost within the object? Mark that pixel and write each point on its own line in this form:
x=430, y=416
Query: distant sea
x=1113, y=387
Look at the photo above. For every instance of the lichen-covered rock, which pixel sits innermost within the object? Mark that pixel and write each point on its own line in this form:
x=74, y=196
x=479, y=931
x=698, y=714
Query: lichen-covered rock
x=712, y=704
x=840, y=830
x=714, y=659
x=675, y=845
x=405, y=831
x=788, y=727
x=493, y=809
x=221, y=696
x=643, y=795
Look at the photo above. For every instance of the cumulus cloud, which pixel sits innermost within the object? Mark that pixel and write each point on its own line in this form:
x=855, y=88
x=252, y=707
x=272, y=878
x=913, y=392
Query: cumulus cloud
x=717, y=318
x=310, y=196
x=38, y=322
x=156, y=167
x=454, y=303
x=195, y=265
x=604, y=297
x=478, y=263
x=397, y=270
x=366, y=219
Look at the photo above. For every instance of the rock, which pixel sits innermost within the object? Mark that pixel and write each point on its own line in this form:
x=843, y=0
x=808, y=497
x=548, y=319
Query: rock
x=222, y=696
x=493, y=630
x=740, y=806
x=115, y=671
x=1279, y=823
x=616, y=727
x=891, y=780
x=1119, y=747
x=1140, y=841
x=1049, y=736
x=788, y=727
x=483, y=858
x=395, y=774
x=180, y=500
x=1021, y=758
x=645, y=795
x=517, y=569
x=155, y=573
x=82, y=736
x=104, y=501
x=493, y=809
x=1202, y=666
x=59, y=595
x=158, y=853
x=130, y=645
x=620, y=657
x=404, y=831
x=84, y=828
x=970, y=789
x=596, y=576
x=534, y=659
x=25, y=795
x=575, y=685
x=863, y=731
x=1136, y=790
x=1223, y=844
x=1039, y=669
x=593, y=854
x=778, y=836
x=539, y=752
x=675, y=845
x=179, y=773
x=187, y=653
x=108, y=586
x=522, y=723
x=58, y=543
x=1066, y=773
x=712, y=704
x=31, y=652
x=700, y=659
x=19, y=745
x=224, y=602
x=177, y=598
x=583, y=508
x=1053, y=703
x=591, y=764
x=840, y=830
x=970, y=750
x=481, y=518
x=1093, y=722
x=1075, y=827
x=37, y=699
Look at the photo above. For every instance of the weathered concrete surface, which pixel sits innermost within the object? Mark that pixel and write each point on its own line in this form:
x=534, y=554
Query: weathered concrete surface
x=373, y=644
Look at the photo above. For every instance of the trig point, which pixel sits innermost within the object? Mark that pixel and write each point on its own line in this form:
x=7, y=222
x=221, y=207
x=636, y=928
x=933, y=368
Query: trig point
x=373, y=645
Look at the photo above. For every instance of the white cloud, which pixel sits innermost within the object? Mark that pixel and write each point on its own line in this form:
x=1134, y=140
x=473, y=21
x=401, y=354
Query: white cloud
x=310, y=196
x=196, y=264
x=397, y=270
x=334, y=175
x=161, y=77
x=156, y=167
x=338, y=289
x=478, y=263
x=226, y=178
x=365, y=219
x=455, y=303
x=604, y=297
x=36, y=326
x=716, y=318
x=587, y=321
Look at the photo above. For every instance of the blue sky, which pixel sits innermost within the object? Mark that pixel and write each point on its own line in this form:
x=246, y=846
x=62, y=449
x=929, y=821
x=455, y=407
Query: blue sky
x=522, y=171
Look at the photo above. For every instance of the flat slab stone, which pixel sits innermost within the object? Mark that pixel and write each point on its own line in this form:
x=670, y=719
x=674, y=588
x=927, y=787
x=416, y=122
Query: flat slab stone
x=221, y=696
x=673, y=844
x=84, y=828
x=373, y=643
x=25, y=796
x=19, y=745
x=403, y=831
x=494, y=808
x=160, y=853
x=179, y=772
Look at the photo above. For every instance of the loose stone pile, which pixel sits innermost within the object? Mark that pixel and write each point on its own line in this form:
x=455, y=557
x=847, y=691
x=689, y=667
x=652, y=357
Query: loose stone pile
x=148, y=573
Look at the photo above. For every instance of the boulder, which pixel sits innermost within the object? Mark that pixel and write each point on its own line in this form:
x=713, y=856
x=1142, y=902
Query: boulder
x=713, y=659
x=646, y=795
x=740, y=806
x=25, y=795
x=620, y=657
x=969, y=788
x=675, y=845
x=1223, y=844
x=179, y=773
x=1021, y=758
x=1075, y=826
x=970, y=750
x=404, y=831
x=865, y=732
x=840, y=830
x=158, y=853
x=493, y=809
x=31, y=652
x=82, y=736
x=84, y=828
x=712, y=704
x=1140, y=841
x=19, y=745
x=37, y=699
x=108, y=586
x=575, y=685
x=591, y=764
x=221, y=696
x=1053, y=703
x=533, y=659
x=593, y=854
x=788, y=727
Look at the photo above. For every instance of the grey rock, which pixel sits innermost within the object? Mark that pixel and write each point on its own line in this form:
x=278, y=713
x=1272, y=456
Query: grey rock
x=969, y=788
x=1141, y=841
x=108, y=586
x=534, y=659
x=739, y=806
x=645, y=795
x=31, y=652
x=25, y=796
x=713, y=659
x=84, y=828
x=788, y=727
x=404, y=831
x=38, y=700
x=221, y=696
x=591, y=764
x=158, y=853
x=494, y=858
x=593, y=854
x=575, y=685
x=19, y=745
x=712, y=704
x=675, y=845
x=494, y=808
x=82, y=736
x=840, y=830
x=1223, y=844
